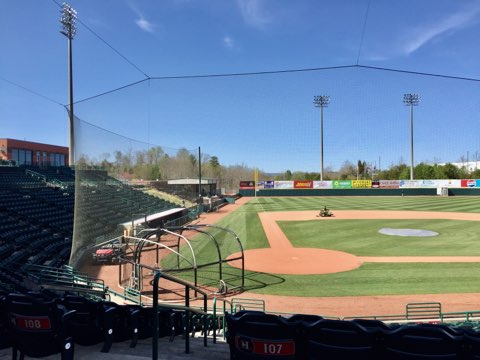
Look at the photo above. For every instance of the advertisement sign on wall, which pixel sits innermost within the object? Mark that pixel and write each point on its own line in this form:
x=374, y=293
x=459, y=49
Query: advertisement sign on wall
x=247, y=184
x=303, y=184
x=342, y=184
x=389, y=184
x=269, y=184
x=449, y=183
x=362, y=184
x=470, y=183
x=322, y=185
x=410, y=183
x=428, y=183
x=283, y=184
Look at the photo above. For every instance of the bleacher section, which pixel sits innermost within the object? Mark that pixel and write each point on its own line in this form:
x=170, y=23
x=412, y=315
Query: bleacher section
x=37, y=214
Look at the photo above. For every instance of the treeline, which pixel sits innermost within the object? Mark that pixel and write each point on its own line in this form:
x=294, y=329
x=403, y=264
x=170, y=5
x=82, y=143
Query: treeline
x=349, y=171
x=156, y=164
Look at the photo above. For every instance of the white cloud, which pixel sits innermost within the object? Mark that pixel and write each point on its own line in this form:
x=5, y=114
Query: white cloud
x=254, y=13
x=145, y=25
x=228, y=42
x=422, y=35
x=141, y=22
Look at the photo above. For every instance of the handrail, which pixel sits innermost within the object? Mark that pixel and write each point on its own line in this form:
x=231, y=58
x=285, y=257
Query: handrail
x=188, y=287
x=224, y=301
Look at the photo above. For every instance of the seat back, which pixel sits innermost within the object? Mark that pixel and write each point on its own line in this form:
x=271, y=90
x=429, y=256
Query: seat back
x=331, y=339
x=4, y=334
x=88, y=321
x=38, y=327
x=422, y=342
x=256, y=335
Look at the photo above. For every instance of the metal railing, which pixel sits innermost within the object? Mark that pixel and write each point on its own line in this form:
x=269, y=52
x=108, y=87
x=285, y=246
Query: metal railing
x=188, y=310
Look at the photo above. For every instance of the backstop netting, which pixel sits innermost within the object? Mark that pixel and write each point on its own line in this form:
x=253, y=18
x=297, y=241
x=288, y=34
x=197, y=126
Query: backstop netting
x=152, y=130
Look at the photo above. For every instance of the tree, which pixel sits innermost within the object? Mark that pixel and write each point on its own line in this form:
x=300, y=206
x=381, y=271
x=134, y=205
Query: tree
x=347, y=171
x=424, y=171
x=213, y=162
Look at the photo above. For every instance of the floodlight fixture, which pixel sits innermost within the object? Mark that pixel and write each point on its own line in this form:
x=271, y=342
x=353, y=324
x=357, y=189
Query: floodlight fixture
x=411, y=100
x=68, y=21
x=321, y=101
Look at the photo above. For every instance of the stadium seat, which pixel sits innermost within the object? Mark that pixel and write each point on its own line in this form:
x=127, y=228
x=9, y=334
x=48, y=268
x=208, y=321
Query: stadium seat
x=4, y=334
x=260, y=336
x=125, y=322
x=375, y=324
x=38, y=327
x=92, y=322
x=422, y=342
x=340, y=339
x=304, y=319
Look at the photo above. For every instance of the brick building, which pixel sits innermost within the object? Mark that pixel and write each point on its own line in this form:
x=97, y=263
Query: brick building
x=32, y=153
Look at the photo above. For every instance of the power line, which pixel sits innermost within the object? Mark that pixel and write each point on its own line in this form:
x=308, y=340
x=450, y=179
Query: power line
x=255, y=73
x=112, y=91
x=363, y=32
x=289, y=71
x=148, y=144
x=420, y=73
x=106, y=43
x=32, y=91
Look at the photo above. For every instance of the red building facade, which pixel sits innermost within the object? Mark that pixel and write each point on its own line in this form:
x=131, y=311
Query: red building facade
x=32, y=153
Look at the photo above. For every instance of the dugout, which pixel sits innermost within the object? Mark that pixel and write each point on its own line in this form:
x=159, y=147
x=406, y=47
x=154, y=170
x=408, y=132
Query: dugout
x=187, y=188
x=152, y=221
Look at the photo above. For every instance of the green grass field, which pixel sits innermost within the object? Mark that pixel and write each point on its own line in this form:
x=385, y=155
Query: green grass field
x=359, y=237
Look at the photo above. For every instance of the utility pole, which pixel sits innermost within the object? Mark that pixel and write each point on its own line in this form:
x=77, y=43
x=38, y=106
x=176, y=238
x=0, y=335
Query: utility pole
x=411, y=100
x=321, y=101
x=69, y=29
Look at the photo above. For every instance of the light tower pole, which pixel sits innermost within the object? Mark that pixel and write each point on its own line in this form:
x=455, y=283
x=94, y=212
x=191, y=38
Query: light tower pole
x=69, y=29
x=411, y=100
x=321, y=101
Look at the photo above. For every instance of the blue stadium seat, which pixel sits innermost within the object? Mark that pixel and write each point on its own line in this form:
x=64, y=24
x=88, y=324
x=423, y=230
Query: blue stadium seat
x=340, y=339
x=260, y=336
x=422, y=342
x=38, y=327
x=92, y=322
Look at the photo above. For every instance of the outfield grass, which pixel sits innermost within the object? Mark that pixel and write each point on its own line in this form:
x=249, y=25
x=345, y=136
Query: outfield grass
x=359, y=237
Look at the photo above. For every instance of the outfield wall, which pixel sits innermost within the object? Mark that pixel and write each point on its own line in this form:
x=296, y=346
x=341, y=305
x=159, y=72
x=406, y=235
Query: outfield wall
x=345, y=192
x=361, y=187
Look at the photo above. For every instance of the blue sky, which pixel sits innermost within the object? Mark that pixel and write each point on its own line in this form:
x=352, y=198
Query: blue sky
x=267, y=121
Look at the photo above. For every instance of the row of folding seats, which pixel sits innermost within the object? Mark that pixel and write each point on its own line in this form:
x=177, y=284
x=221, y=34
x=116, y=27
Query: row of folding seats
x=256, y=335
x=37, y=325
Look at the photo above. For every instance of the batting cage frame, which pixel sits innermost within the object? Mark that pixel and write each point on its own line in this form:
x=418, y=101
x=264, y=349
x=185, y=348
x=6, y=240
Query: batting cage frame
x=145, y=252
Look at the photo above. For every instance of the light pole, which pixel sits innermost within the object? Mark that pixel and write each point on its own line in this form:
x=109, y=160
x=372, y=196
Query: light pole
x=321, y=101
x=411, y=100
x=69, y=29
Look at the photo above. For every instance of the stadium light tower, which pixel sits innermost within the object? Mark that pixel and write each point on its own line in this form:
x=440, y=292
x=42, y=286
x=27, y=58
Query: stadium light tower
x=411, y=100
x=69, y=29
x=321, y=101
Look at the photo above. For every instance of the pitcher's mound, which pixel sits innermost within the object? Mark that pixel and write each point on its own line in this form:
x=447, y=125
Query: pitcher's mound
x=407, y=232
x=299, y=261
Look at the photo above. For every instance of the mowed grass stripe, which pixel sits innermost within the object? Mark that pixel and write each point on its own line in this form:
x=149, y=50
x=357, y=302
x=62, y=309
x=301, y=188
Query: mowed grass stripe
x=374, y=279
x=416, y=203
